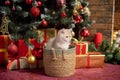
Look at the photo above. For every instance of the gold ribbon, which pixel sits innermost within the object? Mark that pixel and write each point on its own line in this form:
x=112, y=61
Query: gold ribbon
x=29, y=50
x=81, y=46
x=3, y=50
x=5, y=46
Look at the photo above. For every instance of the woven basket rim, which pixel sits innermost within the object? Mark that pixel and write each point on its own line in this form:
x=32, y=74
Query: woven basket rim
x=71, y=47
x=59, y=51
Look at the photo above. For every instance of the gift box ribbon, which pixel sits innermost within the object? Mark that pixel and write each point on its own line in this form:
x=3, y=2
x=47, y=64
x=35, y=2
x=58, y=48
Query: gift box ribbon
x=4, y=50
x=88, y=64
x=11, y=62
x=88, y=61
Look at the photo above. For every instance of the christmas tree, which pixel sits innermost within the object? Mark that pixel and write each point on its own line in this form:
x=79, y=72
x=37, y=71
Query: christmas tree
x=28, y=16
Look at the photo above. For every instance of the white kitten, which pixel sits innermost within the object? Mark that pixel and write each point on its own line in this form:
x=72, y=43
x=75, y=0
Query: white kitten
x=61, y=41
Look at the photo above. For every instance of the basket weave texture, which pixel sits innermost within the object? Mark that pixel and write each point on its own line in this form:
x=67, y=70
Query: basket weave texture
x=59, y=63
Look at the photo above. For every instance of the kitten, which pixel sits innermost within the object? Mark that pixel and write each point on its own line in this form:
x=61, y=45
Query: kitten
x=61, y=41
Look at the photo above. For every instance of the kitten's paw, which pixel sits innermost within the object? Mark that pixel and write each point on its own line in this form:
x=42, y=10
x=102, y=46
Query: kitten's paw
x=54, y=59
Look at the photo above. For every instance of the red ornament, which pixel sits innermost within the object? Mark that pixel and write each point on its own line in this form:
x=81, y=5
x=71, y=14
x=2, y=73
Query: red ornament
x=81, y=7
x=38, y=52
x=44, y=23
x=85, y=33
x=63, y=14
x=12, y=49
x=35, y=11
x=78, y=19
x=7, y=3
x=28, y=1
x=60, y=3
x=39, y=3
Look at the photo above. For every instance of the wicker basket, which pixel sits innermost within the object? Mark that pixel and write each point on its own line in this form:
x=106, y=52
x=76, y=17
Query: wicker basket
x=59, y=63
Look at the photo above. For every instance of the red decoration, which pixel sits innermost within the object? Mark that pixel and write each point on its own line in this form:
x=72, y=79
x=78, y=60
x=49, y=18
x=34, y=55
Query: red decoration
x=38, y=53
x=34, y=11
x=12, y=49
x=78, y=19
x=97, y=39
x=7, y=3
x=85, y=33
x=28, y=1
x=60, y=3
x=23, y=48
x=63, y=14
x=44, y=23
x=39, y=3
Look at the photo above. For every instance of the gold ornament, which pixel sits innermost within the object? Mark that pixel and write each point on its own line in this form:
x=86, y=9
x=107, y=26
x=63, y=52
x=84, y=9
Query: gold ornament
x=73, y=33
x=75, y=12
x=86, y=10
x=4, y=25
x=77, y=4
x=31, y=59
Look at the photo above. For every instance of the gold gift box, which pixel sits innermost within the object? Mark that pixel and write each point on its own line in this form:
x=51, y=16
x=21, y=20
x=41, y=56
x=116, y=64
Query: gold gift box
x=90, y=60
x=48, y=33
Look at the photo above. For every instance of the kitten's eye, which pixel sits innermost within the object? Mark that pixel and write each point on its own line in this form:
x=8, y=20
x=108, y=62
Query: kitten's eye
x=66, y=36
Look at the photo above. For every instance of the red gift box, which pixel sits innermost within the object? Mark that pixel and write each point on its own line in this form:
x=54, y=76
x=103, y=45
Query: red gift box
x=23, y=48
x=4, y=42
x=81, y=48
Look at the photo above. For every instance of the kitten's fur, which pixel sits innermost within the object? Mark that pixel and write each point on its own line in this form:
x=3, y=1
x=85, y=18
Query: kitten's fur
x=61, y=41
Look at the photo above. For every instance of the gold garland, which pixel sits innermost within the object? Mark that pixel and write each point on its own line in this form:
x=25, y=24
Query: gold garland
x=4, y=25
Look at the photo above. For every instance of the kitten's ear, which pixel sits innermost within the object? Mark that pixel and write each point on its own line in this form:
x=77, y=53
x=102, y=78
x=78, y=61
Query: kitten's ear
x=62, y=31
x=70, y=29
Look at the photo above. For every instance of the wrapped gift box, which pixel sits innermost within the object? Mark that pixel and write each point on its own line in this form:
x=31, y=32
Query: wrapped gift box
x=22, y=63
x=37, y=65
x=46, y=34
x=90, y=60
x=81, y=48
x=23, y=48
x=51, y=33
x=4, y=42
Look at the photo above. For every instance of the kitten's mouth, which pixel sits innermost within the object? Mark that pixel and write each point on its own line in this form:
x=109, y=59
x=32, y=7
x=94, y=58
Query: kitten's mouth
x=65, y=40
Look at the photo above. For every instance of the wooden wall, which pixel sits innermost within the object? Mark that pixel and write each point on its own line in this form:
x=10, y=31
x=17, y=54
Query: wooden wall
x=102, y=13
x=117, y=15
